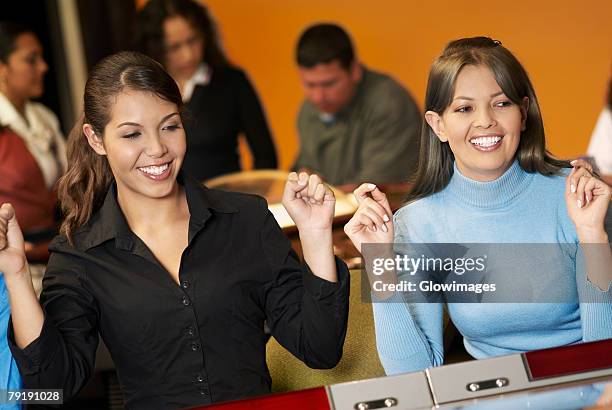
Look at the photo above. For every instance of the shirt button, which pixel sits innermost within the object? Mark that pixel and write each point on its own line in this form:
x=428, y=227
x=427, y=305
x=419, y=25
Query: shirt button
x=200, y=379
x=203, y=392
x=186, y=301
x=195, y=347
x=190, y=330
x=185, y=284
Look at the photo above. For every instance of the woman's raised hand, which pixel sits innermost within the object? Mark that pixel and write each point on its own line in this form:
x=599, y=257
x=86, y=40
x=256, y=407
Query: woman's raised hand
x=12, y=253
x=372, y=221
x=587, y=199
x=309, y=202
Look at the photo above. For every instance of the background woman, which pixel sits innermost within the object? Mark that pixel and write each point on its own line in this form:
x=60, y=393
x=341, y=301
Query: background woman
x=220, y=100
x=32, y=157
x=178, y=279
x=32, y=148
x=484, y=176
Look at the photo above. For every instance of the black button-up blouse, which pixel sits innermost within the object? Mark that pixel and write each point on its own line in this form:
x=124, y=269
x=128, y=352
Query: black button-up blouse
x=197, y=342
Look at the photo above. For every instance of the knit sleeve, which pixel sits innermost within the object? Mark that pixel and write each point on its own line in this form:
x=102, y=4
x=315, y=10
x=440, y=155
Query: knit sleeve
x=595, y=304
x=409, y=336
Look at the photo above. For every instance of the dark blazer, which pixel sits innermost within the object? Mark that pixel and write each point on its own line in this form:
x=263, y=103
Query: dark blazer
x=216, y=115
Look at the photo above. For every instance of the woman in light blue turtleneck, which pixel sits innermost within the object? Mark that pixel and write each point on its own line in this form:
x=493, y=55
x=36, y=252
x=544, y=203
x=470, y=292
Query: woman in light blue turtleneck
x=485, y=177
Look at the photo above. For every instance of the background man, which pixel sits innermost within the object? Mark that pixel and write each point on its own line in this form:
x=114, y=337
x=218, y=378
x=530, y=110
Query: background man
x=355, y=124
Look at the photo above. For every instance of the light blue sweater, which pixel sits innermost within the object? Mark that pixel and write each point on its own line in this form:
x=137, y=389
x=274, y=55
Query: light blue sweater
x=518, y=207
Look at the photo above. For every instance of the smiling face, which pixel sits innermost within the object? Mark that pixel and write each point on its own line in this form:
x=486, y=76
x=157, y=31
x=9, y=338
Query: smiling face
x=184, y=48
x=24, y=70
x=144, y=142
x=481, y=125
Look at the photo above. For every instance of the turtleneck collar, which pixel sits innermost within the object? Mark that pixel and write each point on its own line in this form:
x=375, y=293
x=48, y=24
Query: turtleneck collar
x=490, y=194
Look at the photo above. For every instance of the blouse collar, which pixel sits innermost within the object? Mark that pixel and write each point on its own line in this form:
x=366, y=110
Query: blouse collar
x=200, y=77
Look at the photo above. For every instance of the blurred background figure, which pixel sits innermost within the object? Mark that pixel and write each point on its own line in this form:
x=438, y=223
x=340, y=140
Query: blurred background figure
x=600, y=147
x=32, y=149
x=220, y=100
x=356, y=124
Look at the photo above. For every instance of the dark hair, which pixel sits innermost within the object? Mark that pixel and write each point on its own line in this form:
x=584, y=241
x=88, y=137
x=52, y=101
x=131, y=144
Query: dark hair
x=323, y=43
x=150, y=29
x=82, y=189
x=435, y=164
x=9, y=32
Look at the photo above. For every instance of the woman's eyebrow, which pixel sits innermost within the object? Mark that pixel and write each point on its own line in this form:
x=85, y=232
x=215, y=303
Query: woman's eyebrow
x=461, y=97
x=167, y=117
x=128, y=123
x=135, y=124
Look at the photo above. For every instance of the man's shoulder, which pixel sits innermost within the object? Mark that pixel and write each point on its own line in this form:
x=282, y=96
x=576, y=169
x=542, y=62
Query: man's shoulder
x=381, y=93
x=377, y=82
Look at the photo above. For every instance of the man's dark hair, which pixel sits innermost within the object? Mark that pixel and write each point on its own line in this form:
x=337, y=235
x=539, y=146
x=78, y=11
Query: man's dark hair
x=323, y=43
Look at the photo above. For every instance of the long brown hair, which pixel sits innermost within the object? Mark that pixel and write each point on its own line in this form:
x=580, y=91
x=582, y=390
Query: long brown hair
x=435, y=164
x=83, y=187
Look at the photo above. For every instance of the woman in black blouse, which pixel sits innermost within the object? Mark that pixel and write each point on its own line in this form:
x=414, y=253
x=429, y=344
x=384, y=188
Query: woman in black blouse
x=178, y=279
x=220, y=101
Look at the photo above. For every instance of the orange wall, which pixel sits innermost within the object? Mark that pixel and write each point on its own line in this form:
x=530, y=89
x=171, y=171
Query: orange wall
x=566, y=46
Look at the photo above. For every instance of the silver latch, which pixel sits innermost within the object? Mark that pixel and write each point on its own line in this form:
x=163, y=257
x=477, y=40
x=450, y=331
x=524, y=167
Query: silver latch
x=376, y=404
x=487, y=384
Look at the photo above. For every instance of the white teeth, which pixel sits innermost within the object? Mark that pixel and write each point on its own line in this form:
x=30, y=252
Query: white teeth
x=486, y=141
x=153, y=170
